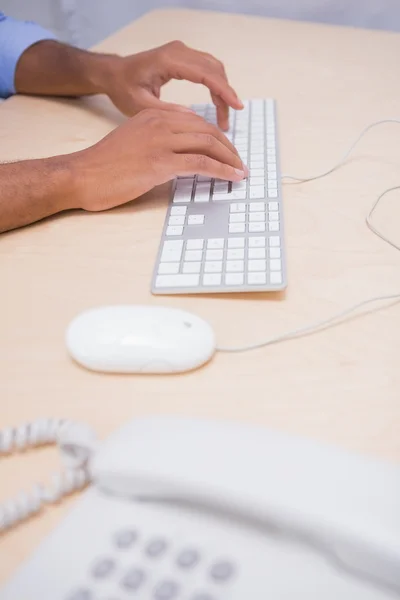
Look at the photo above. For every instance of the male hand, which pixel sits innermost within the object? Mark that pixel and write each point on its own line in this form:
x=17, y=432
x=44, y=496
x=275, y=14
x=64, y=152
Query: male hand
x=135, y=81
x=147, y=150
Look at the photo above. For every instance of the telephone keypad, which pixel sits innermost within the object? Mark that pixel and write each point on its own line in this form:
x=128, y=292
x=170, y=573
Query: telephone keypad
x=159, y=568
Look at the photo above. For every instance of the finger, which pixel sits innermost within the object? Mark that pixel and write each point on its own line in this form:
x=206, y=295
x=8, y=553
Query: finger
x=147, y=100
x=195, y=124
x=198, y=164
x=201, y=143
x=222, y=112
x=200, y=71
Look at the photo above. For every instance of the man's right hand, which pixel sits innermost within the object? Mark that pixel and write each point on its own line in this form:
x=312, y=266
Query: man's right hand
x=150, y=149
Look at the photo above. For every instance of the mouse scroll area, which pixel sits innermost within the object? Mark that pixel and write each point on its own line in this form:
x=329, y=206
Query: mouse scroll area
x=140, y=339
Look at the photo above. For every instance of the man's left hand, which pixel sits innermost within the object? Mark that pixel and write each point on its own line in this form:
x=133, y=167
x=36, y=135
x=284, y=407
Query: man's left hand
x=135, y=81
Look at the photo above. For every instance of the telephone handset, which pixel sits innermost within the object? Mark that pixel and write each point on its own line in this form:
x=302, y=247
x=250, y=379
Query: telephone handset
x=196, y=509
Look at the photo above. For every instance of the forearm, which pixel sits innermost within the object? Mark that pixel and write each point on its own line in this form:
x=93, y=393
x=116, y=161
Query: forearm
x=56, y=69
x=33, y=189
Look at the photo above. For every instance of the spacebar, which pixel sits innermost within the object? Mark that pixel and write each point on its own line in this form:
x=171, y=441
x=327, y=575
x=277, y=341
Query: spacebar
x=177, y=280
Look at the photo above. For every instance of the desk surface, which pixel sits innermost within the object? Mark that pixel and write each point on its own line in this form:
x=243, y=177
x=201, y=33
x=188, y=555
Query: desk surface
x=341, y=385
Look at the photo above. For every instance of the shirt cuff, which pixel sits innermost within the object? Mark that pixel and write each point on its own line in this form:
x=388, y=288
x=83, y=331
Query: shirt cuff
x=16, y=37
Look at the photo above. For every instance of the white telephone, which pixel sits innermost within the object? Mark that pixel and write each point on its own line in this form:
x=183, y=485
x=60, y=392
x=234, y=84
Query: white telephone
x=191, y=509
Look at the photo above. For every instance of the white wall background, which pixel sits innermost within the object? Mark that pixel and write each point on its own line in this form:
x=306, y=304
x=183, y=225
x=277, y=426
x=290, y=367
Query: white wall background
x=85, y=22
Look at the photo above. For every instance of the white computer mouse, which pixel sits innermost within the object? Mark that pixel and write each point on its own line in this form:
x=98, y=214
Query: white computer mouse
x=140, y=339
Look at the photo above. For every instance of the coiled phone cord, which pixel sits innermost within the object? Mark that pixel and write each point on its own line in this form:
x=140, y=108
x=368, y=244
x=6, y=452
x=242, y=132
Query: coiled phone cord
x=76, y=443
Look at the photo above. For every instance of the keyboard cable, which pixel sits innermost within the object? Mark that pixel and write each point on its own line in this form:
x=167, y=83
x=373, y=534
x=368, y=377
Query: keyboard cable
x=318, y=326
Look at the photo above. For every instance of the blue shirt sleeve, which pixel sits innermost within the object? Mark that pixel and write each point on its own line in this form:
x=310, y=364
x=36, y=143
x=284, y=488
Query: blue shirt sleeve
x=15, y=38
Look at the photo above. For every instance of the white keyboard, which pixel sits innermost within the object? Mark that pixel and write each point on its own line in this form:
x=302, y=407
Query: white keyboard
x=221, y=236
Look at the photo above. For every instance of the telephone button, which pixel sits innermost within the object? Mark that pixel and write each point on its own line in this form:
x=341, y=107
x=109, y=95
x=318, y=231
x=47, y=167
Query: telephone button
x=125, y=538
x=222, y=571
x=103, y=568
x=133, y=579
x=81, y=594
x=156, y=548
x=188, y=558
x=166, y=590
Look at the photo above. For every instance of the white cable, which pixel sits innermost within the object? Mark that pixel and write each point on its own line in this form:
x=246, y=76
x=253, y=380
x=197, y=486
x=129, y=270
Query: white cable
x=345, y=157
x=320, y=325
x=308, y=329
x=76, y=443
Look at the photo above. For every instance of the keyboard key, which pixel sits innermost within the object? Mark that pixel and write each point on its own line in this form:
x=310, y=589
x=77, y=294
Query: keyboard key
x=257, y=217
x=257, y=157
x=215, y=243
x=214, y=266
x=239, y=207
x=237, y=228
x=195, y=244
x=168, y=268
x=272, y=193
x=178, y=210
x=239, y=195
x=256, y=253
x=273, y=216
x=236, y=243
x=235, y=254
x=201, y=178
x=234, y=278
x=237, y=218
x=256, y=278
x=257, y=181
x=195, y=220
x=275, y=264
x=191, y=267
x=202, y=192
x=193, y=255
x=171, y=256
x=272, y=184
x=221, y=187
x=274, y=252
x=257, y=191
x=256, y=242
x=256, y=206
x=274, y=241
x=274, y=226
x=272, y=206
x=212, y=279
x=239, y=185
x=176, y=220
x=234, y=266
x=181, y=280
x=257, y=165
x=257, y=173
x=275, y=277
x=174, y=230
x=214, y=254
x=181, y=197
x=171, y=245
x=257, y=265
x=257, y=227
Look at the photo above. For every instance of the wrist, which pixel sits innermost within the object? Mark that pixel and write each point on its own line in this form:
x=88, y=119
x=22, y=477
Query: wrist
x=100, y=70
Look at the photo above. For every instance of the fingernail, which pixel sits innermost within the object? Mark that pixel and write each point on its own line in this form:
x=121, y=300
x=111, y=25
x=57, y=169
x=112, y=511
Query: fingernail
x=246, y=170
x=239, y=172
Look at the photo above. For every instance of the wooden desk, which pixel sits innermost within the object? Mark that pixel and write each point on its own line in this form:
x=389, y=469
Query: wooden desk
x=341, y=385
